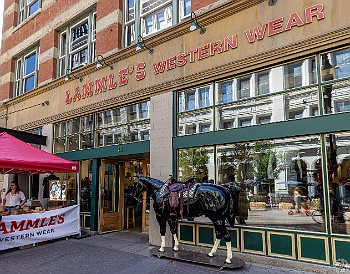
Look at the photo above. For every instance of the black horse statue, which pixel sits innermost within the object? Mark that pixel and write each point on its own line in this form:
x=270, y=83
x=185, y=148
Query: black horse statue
x=217, y=202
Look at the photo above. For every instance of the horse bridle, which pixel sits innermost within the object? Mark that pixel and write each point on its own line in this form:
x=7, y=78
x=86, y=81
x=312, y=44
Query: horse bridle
x=141, y=189
x=136, y=196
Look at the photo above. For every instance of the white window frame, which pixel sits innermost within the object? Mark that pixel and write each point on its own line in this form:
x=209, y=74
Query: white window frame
x=20, y=77
x=65, y=52
x=175, y=12
x=24, y=7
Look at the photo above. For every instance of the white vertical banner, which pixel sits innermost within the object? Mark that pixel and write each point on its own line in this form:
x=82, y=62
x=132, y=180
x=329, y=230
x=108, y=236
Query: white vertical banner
x=24, y=229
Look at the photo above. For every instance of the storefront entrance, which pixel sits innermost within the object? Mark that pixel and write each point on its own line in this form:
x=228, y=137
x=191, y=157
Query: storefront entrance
x=136, y=211
x=118, y=209
x=110, y=192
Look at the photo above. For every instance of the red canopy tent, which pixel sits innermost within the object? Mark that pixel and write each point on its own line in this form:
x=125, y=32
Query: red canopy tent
x=17, y=156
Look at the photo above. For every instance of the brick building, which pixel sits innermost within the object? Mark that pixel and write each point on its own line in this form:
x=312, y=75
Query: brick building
x=255, y=93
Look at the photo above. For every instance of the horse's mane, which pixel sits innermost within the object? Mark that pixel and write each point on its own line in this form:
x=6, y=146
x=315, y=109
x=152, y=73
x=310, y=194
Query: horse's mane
x=152, y=180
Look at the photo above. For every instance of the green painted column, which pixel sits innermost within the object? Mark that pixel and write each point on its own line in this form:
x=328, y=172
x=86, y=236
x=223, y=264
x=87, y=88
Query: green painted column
x=96, y=163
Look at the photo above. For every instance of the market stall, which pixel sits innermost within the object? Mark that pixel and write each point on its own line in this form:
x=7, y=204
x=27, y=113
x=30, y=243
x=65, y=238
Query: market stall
x=31, y=225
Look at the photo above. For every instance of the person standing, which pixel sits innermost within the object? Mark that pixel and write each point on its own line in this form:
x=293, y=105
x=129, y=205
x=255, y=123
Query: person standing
x=14, y=198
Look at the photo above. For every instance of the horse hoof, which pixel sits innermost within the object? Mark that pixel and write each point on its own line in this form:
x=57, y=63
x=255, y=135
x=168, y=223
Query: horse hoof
x=176, y=249
x=161, y=250
x=227, y=261
x=210, y=255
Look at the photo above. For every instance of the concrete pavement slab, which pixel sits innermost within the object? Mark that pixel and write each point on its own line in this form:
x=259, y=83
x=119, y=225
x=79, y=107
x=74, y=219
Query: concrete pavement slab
x=120, y=252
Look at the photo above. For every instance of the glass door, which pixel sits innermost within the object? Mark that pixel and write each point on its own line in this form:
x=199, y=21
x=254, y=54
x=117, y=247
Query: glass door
x=110, y=215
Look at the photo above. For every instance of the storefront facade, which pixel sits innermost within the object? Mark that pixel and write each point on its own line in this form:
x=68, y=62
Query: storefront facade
x=260, y=99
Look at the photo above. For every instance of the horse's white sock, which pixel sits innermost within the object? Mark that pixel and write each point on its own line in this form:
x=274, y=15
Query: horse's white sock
x=162, y=243
x=229, y=253
x=215, y=247
x=176, y=243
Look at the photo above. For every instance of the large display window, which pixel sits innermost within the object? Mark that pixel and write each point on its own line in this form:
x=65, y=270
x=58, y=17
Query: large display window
x=338, y=165
x=279, y=180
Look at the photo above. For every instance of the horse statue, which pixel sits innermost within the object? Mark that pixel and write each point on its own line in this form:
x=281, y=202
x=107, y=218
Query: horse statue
x=216, y=202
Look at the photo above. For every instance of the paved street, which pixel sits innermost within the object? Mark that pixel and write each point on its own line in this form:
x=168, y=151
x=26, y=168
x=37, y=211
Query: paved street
x=119, y=252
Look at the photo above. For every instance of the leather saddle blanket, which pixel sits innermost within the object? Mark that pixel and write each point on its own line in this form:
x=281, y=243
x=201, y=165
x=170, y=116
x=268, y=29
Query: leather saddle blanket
x=179, y=193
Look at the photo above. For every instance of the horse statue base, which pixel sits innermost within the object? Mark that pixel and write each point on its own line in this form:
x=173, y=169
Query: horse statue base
x=198, y=258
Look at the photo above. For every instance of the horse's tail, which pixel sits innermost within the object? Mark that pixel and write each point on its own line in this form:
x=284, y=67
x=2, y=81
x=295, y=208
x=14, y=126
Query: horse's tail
x=233, y=204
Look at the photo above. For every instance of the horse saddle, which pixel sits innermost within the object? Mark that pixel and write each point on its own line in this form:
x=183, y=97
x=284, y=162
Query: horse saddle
x=184, y=193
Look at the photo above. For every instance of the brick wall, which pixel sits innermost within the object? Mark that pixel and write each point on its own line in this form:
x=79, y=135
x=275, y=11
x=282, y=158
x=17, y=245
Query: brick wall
x=43, y=27
x=108, y=26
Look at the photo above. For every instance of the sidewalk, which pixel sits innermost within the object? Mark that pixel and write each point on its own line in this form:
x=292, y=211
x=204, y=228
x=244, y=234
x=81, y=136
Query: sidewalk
x=118, y=252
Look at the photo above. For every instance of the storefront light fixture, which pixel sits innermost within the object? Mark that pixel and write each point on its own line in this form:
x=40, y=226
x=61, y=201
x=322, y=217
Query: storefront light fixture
x=102, y=62
x=195, y=25
x=141, y=45
x=70, y=76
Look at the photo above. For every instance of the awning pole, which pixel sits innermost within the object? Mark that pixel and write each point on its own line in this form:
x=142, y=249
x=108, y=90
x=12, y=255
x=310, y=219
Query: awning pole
x=78, y=196
x=30, y=186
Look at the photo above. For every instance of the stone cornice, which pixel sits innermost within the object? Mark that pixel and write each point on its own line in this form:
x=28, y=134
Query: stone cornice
x=271, y=57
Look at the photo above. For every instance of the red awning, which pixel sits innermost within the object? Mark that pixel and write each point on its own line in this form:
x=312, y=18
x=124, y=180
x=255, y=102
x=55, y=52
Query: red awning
x=17, y=156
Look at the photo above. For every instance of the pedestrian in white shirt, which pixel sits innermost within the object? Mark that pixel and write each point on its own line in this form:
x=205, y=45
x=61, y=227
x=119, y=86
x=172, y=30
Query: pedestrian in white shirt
x=14, y=198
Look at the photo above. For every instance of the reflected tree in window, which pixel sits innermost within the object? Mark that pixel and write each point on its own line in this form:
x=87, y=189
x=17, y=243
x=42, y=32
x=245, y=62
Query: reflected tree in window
x=266, y=166
x=193, y=163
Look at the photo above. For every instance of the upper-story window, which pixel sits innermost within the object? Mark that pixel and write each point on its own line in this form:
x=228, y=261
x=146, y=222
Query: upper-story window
x=123, y=125
x=204, y=98
x=198, y=98
x=244, y=87
x=190, y=100
x=258, y=98
x=335, y=65
x=225, y=92
x=77, y=44
x=73, y=134
x=145, y=17
x=27, y=8
x=263, y=82
x=26, y=72
x=293, y=75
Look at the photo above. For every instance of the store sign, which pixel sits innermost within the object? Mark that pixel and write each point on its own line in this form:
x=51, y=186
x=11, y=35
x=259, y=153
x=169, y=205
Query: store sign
x=271, y=28
x=25, y=229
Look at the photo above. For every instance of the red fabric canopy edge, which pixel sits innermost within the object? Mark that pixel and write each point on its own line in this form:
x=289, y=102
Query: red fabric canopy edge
x=17, y=156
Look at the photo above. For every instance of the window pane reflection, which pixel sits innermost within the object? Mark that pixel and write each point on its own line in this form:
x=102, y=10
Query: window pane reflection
x=336, y=98
x=245, y=114
x=196, y=162
x=335, y=65
x=195, y=122
x=338, y=163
